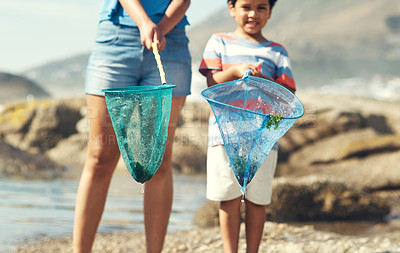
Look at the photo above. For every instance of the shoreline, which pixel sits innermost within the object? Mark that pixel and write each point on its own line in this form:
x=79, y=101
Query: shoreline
x=316, y=150
x=277, y=237
x=297, y=235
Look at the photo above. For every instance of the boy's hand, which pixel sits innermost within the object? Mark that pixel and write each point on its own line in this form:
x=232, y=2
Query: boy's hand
x=240, y=69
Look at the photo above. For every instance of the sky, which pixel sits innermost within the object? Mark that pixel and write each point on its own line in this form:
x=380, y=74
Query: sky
x=34, y=32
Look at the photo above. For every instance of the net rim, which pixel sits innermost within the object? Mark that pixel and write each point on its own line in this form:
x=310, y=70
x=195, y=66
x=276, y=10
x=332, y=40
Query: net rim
x=242, y=109
x=138, y=89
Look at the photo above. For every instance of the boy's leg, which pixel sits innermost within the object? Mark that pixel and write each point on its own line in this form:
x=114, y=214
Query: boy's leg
x=229, y=221
x=102, y=157
x=255, y=219
x=158, y=190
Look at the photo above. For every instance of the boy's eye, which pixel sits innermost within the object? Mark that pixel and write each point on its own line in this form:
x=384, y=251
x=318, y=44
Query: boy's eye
x=262, y=7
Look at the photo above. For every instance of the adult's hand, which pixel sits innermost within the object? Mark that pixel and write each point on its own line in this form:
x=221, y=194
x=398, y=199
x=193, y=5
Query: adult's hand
x=150, y=33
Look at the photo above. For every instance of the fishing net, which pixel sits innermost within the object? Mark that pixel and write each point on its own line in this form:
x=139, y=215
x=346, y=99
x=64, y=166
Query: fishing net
x=252, y=114
x=140, y=117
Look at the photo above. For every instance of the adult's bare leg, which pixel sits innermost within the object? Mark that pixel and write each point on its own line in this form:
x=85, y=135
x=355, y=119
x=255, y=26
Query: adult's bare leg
x=102, y=157
x=255, y=219
x=158, y=192
x=229, y=222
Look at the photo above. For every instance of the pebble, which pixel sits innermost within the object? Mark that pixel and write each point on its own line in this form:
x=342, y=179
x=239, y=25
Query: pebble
x=277, y=238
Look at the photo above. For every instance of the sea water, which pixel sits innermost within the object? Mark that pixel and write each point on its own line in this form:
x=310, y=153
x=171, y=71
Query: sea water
x=29, y=209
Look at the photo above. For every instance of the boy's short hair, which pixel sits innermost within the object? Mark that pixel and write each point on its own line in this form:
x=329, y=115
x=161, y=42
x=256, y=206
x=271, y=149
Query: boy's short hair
x=271, y=2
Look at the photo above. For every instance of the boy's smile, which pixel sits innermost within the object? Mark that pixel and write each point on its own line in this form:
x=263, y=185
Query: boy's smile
x=251, y=16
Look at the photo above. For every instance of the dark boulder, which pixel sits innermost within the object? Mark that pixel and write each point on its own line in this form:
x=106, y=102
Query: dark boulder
x=21, y=164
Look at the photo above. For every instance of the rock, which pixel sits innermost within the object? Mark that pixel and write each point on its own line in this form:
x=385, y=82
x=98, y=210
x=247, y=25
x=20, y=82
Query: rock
x=378, y=114
x=342, y=136
x=190, y=149
x=207, y=215
x=330, y=115
x=191, y=139
x=82, y=126
x=189, y=159
x=18, y=163
x=39, y=125
x=309, y=199
x=70, y=151
x=195, y=113
x=73, y=150
x=374, y=172
x=15, y=118
x=336, y=148
x=313, y=198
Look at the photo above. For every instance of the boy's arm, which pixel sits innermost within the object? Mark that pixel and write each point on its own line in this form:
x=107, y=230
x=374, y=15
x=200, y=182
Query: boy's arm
x=236, y=72
x=233, y=73
x=218, y=76
x=174, y=13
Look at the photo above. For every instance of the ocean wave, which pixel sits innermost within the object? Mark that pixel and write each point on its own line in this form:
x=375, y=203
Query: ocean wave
x=378, y=87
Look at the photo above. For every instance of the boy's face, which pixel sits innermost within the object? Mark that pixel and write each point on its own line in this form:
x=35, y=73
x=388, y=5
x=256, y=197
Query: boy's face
x=251, y=16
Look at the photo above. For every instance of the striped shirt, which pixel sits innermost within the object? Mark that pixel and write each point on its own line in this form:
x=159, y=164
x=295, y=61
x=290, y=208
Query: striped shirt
x=224, y=50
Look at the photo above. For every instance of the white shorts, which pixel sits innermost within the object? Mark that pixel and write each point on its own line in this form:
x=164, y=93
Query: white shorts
x=222, y=184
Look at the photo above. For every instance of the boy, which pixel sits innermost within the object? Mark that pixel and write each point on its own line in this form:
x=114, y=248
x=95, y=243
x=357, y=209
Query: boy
x=226, y=57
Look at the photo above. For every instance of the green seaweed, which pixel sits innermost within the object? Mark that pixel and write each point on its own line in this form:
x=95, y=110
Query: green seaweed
x=239, y=164
x=274, y=119
x=142, y=175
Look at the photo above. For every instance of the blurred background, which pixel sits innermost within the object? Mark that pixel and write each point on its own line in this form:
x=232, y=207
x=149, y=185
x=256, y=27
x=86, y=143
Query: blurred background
x=346, y=52
x=356, y=42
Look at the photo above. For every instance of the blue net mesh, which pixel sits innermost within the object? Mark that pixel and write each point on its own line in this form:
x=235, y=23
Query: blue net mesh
x=140, y=117
x=242, y=110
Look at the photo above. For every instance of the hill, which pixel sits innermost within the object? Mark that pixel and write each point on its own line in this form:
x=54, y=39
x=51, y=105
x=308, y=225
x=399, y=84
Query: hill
x=15, y=88
x=62, y=78
x=326, y=40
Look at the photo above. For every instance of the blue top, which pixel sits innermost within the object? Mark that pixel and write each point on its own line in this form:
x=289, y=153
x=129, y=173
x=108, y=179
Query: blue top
x=155, y=9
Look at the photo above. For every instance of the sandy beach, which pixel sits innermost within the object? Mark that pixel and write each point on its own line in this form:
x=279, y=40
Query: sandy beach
x=278, y=237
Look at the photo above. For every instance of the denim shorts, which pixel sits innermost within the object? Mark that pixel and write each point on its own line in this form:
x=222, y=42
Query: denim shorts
x=118, y=59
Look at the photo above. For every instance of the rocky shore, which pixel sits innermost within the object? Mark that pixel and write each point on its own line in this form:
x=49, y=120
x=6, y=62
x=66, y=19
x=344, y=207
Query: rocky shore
x=277, y=238
x=339, y=162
